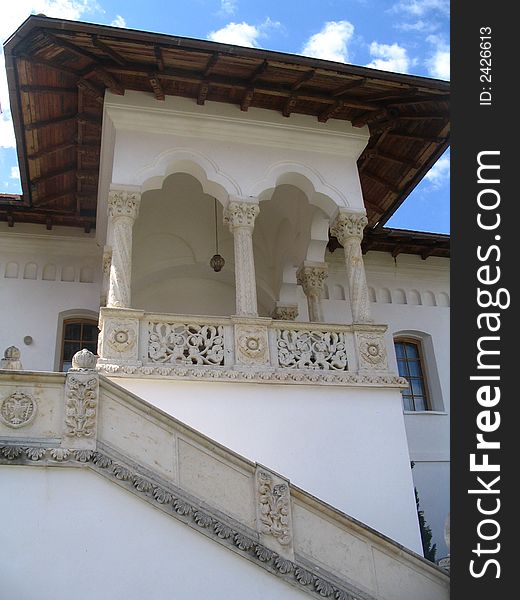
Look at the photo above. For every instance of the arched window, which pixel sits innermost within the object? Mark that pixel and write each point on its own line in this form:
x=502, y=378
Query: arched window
x=410, y=365
x=78, y=333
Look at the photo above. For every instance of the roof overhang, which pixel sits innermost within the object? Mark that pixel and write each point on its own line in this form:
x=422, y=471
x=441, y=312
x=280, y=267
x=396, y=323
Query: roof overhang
x=58, y=72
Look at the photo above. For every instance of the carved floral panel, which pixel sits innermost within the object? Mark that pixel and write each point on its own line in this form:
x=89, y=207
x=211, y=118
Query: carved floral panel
x=323, y=350
x=274, y=508
x=186, y=344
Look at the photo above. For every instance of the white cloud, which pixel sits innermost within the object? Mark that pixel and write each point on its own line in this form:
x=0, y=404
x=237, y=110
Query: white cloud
x=15, y=173
x=389, y=58
x=439, y=174
x=418, y=8
x=419, y=26
x=119, y=21
x=243, y=34
x=331, y=43
x=438, y=63
x=228, y=7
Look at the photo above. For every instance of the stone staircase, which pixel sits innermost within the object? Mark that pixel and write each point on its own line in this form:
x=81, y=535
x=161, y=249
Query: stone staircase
x=83, y=420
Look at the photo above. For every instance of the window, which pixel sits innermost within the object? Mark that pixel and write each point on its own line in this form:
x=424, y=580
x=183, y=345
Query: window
x=77, y=334
x=410, y=365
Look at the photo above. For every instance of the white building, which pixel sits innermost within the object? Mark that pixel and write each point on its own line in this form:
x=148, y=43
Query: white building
x=260, y=404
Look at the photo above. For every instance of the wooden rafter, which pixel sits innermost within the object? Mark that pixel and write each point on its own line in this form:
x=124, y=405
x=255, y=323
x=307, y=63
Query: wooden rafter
x=91, y=89
x=46, y=200
x=87, y=119
x=212, y=61
x=47, y=89
x=303, y=79
x=417, y=100
x=427, y=252
x=375, y=153
x=156, y=86
x=54, y=173
x=54, y=121
x=113, y=84
x=51, y=150
x=347, y=87
x=382, y=181
x=159, y=57
x=415, y=137
x=259, y=71
x=289, y=105
x=49, y=64
x=66, y=45
x=419, y=117
x=108, y=50
x=88, y=176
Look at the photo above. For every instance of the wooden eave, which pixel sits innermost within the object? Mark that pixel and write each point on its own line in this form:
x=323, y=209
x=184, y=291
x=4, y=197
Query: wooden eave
x=58, y=72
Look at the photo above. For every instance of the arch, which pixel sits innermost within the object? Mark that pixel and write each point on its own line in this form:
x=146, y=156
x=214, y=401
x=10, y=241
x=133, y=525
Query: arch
x=384, y=296
x=338, y=292
x=429, y=298
x=444, y=299
x=11, y=270
x=399, y=296
x=214, y=182
x=49, y=272
x=414, y=298
x=319, y=193
x=30, y=271
x=326, y=295
x=68, y=273
x=67, y=315
x=372, y=294
x=86, y=274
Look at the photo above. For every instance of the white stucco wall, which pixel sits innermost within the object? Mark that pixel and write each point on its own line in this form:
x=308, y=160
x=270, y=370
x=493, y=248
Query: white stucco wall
x=71, y=534
x=341, y=445
x=43, y=273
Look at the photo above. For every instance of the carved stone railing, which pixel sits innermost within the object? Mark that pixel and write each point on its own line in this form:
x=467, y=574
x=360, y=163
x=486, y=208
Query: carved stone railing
x=133, y=342
x=83, y=420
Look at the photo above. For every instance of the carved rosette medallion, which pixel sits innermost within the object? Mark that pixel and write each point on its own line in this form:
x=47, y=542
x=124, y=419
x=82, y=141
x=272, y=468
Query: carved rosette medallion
x=251, y=345
x=17, y=410
x=274, y=511
x=121, y=338
x=372, y=351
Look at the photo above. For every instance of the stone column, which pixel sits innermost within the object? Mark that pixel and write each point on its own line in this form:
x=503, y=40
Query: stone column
x=240, y=216
x=123, y=207
x=311, y=276
x=348, y=228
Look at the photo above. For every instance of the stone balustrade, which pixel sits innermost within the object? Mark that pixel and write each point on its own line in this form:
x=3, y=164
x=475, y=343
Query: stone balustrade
x=134, y=342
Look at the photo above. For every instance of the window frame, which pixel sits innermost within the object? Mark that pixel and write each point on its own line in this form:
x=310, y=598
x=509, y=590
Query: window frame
x=70, y=316
x=403, y=339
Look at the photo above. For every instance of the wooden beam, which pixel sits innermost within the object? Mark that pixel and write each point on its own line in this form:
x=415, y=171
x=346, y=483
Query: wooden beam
x=428, y=251
x=51, y=150
x=373, y=115
x=107, y=50
x=340, y=104
x=303, y=79
x=212, y=61
x=48, y=223
x=113, y=84
x=50, y=64
x=203, y=93
x=408, y=91
x=159, y=57
x=246, y=100
x=54, y=121
x=47, y=89
x=443, y=117
x=88, y=152
x=289, y=105
x=384, y=182
x=88, y=176
x=91, y=90
x=65, y=45
x=46, y=200
x=259, y=71
x=10, y=218
x=375, y=153
x=418, y=100
x=415, y=137
x=397, y=250
x=86, y=119
x=157, y=87
x=348, y=86
x=53, y=173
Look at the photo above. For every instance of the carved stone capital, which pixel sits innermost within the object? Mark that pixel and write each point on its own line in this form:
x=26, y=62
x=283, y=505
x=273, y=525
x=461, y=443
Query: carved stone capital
x=273, y=514
x=241, y=214
x=349, y=225
x=286, y=312
x=123, y=203
x=312, y=277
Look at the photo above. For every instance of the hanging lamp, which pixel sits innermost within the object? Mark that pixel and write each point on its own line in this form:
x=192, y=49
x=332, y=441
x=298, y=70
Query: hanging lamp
x=216, y=262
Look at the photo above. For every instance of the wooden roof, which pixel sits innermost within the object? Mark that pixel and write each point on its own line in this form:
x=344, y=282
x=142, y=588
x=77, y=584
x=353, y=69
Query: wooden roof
x=58, y=72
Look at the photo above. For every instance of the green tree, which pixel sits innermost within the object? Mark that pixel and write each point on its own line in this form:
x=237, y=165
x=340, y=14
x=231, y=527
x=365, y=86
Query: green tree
x=429, y=551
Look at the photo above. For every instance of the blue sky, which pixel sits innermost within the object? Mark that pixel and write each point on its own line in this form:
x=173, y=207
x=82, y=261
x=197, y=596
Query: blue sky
x=407, y=36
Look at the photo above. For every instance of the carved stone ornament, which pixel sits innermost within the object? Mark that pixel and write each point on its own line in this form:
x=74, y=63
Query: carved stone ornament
x=251, y=345
x=274, y=508
x=287, y=312
x=241, y=214
x=84, y=360
x=17, y=410
x=347, y=225
x=372, y=351
x=123, y=203
x=185, y=344
x=312, y=278
x=121, y=335
x=81, y=404
x=303, y=349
